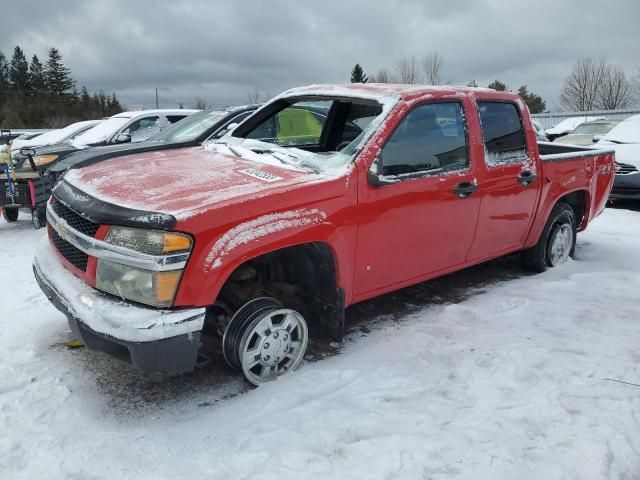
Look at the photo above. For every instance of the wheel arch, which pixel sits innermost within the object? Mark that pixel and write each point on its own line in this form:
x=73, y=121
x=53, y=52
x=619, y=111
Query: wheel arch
x=579, y=200
x=308, y=270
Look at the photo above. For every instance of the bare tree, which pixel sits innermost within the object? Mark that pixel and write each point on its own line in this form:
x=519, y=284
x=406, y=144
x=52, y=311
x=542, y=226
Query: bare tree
x=616, y=90
x=383, y=76
x=201, y=104
x=407, y=70
x=432, y=65
x=253, y=96
x=581, y=87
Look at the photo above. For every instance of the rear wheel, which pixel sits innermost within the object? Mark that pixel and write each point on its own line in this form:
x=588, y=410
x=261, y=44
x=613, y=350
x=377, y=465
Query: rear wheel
x=10, y=214
x=265, y=340
x=557, y=242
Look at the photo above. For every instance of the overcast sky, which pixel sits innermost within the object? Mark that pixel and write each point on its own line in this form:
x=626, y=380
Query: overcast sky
x=222, y=50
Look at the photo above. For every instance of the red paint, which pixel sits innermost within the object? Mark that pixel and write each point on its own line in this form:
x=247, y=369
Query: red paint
x=382, y=238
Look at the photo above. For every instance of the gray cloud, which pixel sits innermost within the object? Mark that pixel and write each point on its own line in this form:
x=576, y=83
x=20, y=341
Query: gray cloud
x=221, y=51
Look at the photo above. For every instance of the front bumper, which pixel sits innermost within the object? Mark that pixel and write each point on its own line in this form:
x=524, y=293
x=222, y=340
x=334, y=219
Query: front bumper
x=626, y=187
x=149, y=339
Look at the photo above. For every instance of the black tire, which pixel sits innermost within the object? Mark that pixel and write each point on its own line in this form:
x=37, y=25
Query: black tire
x=537, y=258
x=39, y=217
x=10, y=214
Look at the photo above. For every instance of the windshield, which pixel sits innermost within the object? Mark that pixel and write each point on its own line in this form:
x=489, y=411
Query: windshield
x=101, y=132
x=593, y=128
x=319, y=134
x=190, y=128
x=627, y=131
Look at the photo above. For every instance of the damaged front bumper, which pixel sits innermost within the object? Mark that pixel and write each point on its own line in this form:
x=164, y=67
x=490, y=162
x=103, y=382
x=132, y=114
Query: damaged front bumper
x=149, y=339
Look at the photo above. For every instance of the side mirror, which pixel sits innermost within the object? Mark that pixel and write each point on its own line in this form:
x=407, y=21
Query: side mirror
x=29, y=153
x=123, y=138
x=375, y=176
x=596, y=138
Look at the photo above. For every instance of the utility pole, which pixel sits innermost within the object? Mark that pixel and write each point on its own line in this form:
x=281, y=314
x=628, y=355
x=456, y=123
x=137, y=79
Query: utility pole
x=157, y=97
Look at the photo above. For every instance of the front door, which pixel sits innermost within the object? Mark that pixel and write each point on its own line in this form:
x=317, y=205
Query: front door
x=422, y=220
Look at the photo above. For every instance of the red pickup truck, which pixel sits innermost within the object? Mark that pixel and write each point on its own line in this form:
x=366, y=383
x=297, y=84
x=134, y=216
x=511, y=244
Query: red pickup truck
x=326, y=196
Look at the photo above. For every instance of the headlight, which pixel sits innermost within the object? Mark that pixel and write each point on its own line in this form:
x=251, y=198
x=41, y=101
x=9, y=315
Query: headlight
x=155, y=288
x=40, y=160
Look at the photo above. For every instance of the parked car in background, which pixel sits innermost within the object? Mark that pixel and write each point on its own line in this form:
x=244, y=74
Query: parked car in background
x=540, y=135
x=121, y=128
x=9, y=135
x=587, y=133
x=568, y=125
x=188, y=132
x=53, y=137
x=624, y=138
x=32, y=186
x=266, y=236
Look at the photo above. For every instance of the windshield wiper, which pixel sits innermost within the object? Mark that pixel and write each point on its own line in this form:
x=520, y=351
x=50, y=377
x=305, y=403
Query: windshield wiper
x=619, y=142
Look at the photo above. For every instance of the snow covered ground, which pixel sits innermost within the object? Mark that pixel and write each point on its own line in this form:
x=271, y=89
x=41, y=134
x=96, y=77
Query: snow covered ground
x=475, y=376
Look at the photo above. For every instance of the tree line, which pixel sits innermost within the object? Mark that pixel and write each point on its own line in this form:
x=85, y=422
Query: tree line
x=591, y=85
x=43, y=95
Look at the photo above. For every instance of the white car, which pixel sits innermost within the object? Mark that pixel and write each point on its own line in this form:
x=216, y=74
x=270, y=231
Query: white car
x=53, y=137
x=568, y=125
x=587, y=133
x=130, y=127
x=624, y=138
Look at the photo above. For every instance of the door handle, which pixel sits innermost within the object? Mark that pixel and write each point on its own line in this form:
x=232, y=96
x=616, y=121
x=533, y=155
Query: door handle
x=464, y=189
x=526, y=178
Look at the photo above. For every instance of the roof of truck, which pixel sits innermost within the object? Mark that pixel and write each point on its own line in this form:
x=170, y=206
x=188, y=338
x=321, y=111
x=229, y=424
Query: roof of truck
x=380, y=90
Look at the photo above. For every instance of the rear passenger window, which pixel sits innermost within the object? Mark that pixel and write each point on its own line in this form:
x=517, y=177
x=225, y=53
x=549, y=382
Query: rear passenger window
x=431, y=138
x=502, y=133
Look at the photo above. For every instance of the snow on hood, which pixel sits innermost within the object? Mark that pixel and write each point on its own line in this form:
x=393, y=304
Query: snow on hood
x=625, y=153
x=181, y=181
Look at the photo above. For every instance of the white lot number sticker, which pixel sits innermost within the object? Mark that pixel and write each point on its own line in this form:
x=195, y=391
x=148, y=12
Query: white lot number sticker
x=264, y=176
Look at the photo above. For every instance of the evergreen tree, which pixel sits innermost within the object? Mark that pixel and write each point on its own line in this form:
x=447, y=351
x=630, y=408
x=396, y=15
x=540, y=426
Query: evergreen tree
x=358, y=75
x=4, y=72
x=36, y=76
x=498, y=85
x=533, y=101
x=19, y=70
x=57, y=77
x=472, y=83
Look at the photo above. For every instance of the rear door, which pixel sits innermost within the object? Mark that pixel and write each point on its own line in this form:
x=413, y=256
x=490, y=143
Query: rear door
x=418, y=225
x=507, y=179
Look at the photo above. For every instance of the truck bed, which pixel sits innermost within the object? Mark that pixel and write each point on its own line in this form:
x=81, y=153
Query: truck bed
x=550, y=152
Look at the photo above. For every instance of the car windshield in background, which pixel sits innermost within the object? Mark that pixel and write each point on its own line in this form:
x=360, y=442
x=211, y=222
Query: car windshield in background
x=190, y=128
x=593, y=128
x=321, y=133
x=101, y=132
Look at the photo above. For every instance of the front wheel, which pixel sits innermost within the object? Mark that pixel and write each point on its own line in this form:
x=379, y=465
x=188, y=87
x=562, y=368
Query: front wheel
x=39, y=217
x=557, y=242
x=265, y=340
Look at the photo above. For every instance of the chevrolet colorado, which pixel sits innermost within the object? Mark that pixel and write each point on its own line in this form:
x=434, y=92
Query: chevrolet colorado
x=266, y=236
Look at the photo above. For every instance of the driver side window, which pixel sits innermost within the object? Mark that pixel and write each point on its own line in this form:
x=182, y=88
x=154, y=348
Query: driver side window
x=143, y=128
x=431, y=138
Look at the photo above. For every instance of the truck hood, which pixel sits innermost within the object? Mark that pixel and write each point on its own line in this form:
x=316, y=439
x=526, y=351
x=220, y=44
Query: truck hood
x=183, y=181
x=625, y=152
